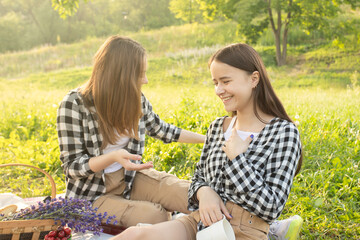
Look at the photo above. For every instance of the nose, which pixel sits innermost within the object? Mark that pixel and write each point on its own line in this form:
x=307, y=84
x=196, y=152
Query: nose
x=144, y=80
x=219, y=89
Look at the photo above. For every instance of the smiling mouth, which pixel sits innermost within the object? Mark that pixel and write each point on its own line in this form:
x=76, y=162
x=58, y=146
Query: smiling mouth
x=226, y=99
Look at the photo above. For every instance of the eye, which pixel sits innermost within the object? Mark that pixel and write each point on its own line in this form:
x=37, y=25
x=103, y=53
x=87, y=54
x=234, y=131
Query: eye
x=226, y=82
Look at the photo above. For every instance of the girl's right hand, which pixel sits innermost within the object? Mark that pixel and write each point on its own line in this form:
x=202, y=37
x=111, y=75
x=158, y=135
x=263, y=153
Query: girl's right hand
x=211, y=206
x=123, y=157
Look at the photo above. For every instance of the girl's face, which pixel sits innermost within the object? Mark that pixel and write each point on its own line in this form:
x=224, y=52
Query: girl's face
x=234, y=86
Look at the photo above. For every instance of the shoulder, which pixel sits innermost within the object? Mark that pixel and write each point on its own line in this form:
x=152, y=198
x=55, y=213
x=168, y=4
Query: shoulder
x=73, y=96
x=71, y=104
x=145, y=104
x=143, y=98
x=285, y=128
x=217, y=125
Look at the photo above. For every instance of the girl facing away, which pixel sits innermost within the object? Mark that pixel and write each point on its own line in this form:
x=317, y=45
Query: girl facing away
x=101, y=131
x=248, y=161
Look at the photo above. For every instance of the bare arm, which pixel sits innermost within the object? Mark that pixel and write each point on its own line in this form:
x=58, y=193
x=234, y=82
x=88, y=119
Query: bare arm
x=191, y=137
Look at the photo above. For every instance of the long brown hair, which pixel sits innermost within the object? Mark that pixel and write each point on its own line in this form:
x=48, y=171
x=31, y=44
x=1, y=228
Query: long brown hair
x=244, y=57
x=114, y=88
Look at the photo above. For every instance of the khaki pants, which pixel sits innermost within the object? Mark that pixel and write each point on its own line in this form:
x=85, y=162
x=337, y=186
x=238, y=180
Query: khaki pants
x=245, y=225
x=153, y=195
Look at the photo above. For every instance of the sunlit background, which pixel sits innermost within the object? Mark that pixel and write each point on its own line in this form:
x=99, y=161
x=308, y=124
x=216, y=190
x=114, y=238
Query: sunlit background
x=46, y=49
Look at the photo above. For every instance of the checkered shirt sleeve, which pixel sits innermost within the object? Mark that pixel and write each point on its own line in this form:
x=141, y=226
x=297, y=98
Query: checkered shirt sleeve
x=73, y=152
x=157, y=128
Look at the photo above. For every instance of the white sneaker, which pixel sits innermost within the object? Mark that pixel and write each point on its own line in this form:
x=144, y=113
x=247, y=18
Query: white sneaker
x=287, y=229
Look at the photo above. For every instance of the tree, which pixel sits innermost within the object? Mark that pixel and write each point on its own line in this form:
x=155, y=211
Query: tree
x=187, y=10
x=139, y=14
x=11, y=31
x=142, y=14
x=255, y=16
x=34, y=12
x=66, y=8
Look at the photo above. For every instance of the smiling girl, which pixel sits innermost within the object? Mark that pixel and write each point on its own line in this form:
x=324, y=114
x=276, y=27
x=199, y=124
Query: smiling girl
x=248, y=161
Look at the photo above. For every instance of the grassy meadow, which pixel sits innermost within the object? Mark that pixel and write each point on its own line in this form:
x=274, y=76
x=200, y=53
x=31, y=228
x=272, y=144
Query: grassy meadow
x=319, y=88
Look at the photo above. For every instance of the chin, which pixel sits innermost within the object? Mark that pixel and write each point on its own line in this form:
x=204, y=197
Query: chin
x=230, y=109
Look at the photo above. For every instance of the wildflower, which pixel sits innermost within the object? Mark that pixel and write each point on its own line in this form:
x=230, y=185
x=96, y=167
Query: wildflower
x=78, y=214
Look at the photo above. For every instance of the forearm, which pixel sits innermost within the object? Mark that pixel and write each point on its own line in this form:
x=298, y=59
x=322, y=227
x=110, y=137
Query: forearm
x=101, y=162
x=197, y=182
x=201, y=191
x=191, y=137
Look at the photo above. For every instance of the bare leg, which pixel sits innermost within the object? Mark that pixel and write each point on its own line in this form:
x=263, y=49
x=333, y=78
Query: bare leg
x=174, y=230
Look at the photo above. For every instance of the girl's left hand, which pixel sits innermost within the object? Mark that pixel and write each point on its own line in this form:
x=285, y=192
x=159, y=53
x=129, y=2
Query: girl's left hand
x=235, y=145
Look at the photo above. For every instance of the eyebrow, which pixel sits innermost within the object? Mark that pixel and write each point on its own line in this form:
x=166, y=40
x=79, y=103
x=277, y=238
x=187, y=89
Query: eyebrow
x=222, y=78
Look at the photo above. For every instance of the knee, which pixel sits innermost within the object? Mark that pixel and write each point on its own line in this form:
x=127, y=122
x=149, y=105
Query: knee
x=144, y=212
x=154, y=213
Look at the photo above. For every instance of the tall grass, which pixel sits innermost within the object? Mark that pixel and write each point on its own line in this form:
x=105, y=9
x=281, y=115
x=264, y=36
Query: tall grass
x=325, y=193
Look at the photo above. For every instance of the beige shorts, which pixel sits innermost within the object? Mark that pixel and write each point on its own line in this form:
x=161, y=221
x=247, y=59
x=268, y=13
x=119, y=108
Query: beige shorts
x=245, y=225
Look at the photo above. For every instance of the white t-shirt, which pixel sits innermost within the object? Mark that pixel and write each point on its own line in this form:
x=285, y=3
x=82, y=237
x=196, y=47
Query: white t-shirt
x=243, y=135
x=120, y=144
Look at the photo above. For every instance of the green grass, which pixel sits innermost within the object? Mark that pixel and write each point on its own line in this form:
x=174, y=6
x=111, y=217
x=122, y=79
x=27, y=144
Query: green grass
x=319, y=89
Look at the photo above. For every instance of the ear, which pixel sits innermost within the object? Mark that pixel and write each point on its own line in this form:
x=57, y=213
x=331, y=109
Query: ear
x=255, y=78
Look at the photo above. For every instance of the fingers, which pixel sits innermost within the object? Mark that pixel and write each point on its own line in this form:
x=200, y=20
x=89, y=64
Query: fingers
x=249, y=138
x=225, y=211
x=204, y=216
x=132, y=156
x=125, y=154
x=137, y=167
x=224, y=147
x=218, y=216
x=142, y=166
x=211, y=216
x=215, y=216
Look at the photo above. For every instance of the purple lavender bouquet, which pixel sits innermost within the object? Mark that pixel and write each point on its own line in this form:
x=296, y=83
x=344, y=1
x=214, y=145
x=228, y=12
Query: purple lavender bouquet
x=77, y=214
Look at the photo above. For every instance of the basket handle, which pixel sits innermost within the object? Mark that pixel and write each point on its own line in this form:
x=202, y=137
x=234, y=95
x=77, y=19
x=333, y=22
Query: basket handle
x=52, y=182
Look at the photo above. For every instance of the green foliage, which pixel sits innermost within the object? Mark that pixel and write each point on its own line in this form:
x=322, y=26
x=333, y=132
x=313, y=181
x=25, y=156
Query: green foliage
x=137, y=15
x=66, y=7
x=281, y=16
x=10, y=29
x=192, y=10
x=78, y=20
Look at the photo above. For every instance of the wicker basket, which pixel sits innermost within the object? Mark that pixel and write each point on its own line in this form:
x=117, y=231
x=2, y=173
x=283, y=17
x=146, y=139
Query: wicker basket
x=28, y=229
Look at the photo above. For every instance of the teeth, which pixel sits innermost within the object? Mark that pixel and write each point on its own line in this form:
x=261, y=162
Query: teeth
x=227, y=98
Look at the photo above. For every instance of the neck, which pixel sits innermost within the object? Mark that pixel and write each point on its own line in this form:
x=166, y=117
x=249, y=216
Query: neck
x=246, y=120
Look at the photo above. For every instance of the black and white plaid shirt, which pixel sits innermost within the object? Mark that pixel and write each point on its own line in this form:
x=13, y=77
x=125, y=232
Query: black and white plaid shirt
x=79, y=140
x=258, y=180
